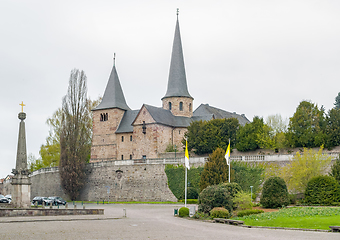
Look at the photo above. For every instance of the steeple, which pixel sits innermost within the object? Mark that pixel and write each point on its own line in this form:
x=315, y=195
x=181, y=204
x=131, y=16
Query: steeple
x=113, y=95
x=177, y=83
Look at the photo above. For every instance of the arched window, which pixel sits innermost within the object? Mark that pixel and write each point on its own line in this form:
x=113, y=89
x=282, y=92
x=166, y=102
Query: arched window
x=190, y=107
x=130, y=138
x=122, y=157
x=181, y=106
x=122, y=138
x=169, y=105
x=130, y=156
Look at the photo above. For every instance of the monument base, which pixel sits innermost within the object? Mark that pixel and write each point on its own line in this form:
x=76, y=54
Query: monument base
x=21, y=196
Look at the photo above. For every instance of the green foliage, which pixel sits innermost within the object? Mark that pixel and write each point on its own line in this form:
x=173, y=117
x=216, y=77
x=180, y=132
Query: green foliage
x=303, y=167
x=335, y=170
x=242, y=201
x=248, y=174
x=205, y=137
x=75, y=135
x=233, y=188
x=249, y=212
x=219, y=212
x=215, y=169
x=274, y=193
x=176, y=178
x=214, y=196
x=251, y=135
x=170, y=148
x=307, y=126
x=183, y=212
x=333, y=128
x=322, y=190
x=337, y=101
x=189, y=201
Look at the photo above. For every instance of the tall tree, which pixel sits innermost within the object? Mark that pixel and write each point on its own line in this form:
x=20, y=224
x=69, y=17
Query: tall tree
x=253, y=135
x=205, y=137
x=75, y=135
x=307, y=126
x=333, y=128
x=337, y=101
x=215, y=169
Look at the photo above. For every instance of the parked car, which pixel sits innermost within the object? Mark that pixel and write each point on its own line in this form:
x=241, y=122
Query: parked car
x=3, y=199
x=41, y=200
x=9, y=197
x=57, y=201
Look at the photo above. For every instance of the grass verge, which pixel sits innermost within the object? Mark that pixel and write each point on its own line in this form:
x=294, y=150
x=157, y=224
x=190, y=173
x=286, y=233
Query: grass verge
x=297, y=217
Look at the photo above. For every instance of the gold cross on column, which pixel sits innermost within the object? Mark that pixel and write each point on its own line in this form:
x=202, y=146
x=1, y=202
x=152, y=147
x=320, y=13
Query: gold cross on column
x=22, y=106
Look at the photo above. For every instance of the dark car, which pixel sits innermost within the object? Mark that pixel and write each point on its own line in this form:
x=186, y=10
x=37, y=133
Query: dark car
x=57, y=201
x=3, y=199
x=41, y=200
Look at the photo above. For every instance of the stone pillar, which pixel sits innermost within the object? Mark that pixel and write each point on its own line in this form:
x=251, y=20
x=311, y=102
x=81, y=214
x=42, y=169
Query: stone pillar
x=21, y=196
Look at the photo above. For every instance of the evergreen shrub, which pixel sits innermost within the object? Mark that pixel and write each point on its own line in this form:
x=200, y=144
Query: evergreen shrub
x=219, y=212
x=322, y=190
x=249, y=212
x=274, y=193
x=242, y=201
x=183, y=212
x=214, y=196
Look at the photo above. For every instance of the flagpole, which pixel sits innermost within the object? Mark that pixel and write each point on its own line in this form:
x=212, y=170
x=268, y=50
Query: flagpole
x=186, y=180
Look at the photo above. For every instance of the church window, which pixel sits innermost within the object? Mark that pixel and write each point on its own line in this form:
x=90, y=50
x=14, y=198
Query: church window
x=130, y=156
x=144, y=127
x=122, y=138
x=122, y=157
x=181, y=106
x=169, y=105
x=130, y=138
x=104, y=117
x=144, y=157
x=179, y=132
x=190, y=107
x=101, y=117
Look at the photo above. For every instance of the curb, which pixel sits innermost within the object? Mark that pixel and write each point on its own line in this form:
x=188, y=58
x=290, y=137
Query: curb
x=283, y=228
x=58, y=220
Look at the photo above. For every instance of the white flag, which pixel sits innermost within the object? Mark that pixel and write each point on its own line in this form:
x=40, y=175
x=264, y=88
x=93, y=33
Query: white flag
x=186, y=155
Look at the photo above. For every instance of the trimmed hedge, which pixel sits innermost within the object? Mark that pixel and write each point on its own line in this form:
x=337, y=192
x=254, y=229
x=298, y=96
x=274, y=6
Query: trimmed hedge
x=214, y=196
x=324, y=190
x=183, y=212
x=176, y=178
x=189, y=201
x=219, y=212
x=249, y=212
x=274, y=193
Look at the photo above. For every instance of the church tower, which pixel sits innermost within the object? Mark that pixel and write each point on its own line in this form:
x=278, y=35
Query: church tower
x=177, y=98
x=106, y=119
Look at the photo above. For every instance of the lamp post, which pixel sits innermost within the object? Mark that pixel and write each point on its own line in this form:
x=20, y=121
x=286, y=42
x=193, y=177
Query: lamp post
x=251, y=193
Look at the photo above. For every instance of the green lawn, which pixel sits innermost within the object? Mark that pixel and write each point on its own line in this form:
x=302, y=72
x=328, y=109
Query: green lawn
x=297, y=217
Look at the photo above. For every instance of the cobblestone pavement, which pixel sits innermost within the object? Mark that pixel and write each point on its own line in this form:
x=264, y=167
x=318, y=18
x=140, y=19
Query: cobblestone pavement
x=143, y=221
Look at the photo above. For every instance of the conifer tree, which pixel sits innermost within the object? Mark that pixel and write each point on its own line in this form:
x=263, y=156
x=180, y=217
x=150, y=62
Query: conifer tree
x=215, y=169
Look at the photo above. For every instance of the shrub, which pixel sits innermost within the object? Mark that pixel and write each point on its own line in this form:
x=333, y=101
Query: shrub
x=183, y=212
x=322, y=190
x=189, y=201
x=219, y=212
x=232, y=188
x=335, y=170
x=214, y=196
x=249, y=212
x=274, y=193
x=192, y=193
x=242, y=201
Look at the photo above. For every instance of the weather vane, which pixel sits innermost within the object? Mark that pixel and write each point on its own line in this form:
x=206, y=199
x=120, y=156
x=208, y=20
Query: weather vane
x=114, y=59
x=22, y=106
x=177, y=11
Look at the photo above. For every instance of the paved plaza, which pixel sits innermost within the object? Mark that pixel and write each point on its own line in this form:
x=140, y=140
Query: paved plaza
x=143, y=221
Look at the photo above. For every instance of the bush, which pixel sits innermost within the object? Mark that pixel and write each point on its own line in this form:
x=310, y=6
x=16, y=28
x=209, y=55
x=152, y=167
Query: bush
x=242, y=201
x=292, y=198
x=232, y=188
x=214, y=196
x=274, y=193
x=189, y=201
x=219, y=212
x=192, y=193
x=322, y=190
x=249, y=212
x=183, y=212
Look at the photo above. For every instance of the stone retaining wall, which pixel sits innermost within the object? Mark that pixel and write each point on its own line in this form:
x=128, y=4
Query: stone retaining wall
x=14, y=212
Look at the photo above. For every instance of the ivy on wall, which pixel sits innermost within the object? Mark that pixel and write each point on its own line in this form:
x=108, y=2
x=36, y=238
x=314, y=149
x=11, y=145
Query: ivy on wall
x=176, y=178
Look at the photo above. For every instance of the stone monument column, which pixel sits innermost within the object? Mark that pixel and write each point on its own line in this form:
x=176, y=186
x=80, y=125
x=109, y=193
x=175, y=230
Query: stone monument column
x=21, y=196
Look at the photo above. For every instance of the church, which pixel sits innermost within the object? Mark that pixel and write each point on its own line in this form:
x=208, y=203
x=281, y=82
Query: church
x=120, y=133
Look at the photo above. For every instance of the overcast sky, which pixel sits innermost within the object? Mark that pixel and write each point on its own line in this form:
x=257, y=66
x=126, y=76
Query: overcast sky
x=252, y=57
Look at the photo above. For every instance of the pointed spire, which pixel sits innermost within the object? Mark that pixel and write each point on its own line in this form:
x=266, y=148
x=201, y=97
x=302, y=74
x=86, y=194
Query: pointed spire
x=113, y=95
x=177, y=83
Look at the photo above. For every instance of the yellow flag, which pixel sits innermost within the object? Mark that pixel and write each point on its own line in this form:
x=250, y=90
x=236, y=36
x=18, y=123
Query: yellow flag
x=186, y=155
x=227, y=154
